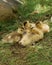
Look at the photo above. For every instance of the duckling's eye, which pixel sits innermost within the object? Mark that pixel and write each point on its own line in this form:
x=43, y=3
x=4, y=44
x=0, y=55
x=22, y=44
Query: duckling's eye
x=25, y=23
x=37, y=22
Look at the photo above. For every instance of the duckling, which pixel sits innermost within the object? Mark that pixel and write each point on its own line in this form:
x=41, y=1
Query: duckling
x=12, y=37
x=36, y=33
x=43, y=27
